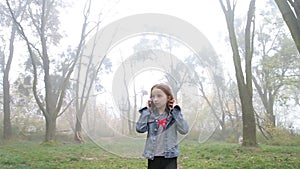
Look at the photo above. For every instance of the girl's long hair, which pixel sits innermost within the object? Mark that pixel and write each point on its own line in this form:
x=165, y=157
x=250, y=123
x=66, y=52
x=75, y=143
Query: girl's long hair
x=167, y=90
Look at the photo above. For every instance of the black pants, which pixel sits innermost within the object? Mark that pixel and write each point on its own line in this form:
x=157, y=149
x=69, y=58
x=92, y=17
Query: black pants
x=162, y=163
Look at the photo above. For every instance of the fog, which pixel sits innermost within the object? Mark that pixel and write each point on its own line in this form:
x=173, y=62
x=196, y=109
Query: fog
x=141, y=43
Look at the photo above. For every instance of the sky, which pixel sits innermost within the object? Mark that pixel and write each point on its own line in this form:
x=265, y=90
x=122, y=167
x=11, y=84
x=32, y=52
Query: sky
x=206, y=15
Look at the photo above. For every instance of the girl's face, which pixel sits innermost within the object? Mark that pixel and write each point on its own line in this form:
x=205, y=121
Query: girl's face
x=159, y=98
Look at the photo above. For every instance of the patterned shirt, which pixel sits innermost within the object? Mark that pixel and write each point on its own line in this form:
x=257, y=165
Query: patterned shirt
x=160, y=137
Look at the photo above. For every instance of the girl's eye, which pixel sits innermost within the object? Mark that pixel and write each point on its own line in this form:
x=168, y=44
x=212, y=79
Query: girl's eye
x=156, y=96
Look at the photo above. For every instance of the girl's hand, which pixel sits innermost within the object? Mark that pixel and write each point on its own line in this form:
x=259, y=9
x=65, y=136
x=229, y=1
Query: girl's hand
x=148, y=104
x=172, y=103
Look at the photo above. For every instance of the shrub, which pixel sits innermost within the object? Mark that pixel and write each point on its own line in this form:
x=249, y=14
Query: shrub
x=282, y=137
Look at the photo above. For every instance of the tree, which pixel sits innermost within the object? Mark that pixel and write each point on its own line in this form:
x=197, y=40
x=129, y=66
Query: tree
x=244, y=81
x=86, y=70
x=277, y=69
x=278, y=63
x=6, y=64
x=290, y=10
x=45, y=24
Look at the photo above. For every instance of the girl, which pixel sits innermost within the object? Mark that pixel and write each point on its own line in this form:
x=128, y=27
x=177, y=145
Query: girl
x=161, y=120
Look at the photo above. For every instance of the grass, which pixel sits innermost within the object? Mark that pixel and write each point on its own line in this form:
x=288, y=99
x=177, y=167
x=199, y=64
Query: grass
x=26, y=154
x=234, y=156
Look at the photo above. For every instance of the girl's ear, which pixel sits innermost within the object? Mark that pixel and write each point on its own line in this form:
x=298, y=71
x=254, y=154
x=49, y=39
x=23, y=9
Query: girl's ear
x=169, y=98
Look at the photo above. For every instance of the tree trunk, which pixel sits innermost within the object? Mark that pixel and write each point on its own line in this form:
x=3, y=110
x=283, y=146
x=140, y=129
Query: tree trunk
x=290, y=19
x=267, y=99
x=270, y=111
x=7, y=130
x=249, y=124
x=78, y=128
x=50, y=129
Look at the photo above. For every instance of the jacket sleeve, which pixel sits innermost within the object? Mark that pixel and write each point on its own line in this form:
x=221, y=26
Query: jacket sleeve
x=181, y=124
x=141, y=124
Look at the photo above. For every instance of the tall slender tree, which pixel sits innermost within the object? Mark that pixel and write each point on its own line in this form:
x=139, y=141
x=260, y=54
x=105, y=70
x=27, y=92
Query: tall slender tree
x=7, y=61
x=244, y=81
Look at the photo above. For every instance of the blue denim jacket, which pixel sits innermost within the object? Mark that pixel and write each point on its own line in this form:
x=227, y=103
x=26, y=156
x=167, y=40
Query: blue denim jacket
x=175, y=123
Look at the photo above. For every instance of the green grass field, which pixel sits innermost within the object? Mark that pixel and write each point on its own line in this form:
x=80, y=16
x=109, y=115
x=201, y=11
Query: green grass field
x=25, y=154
